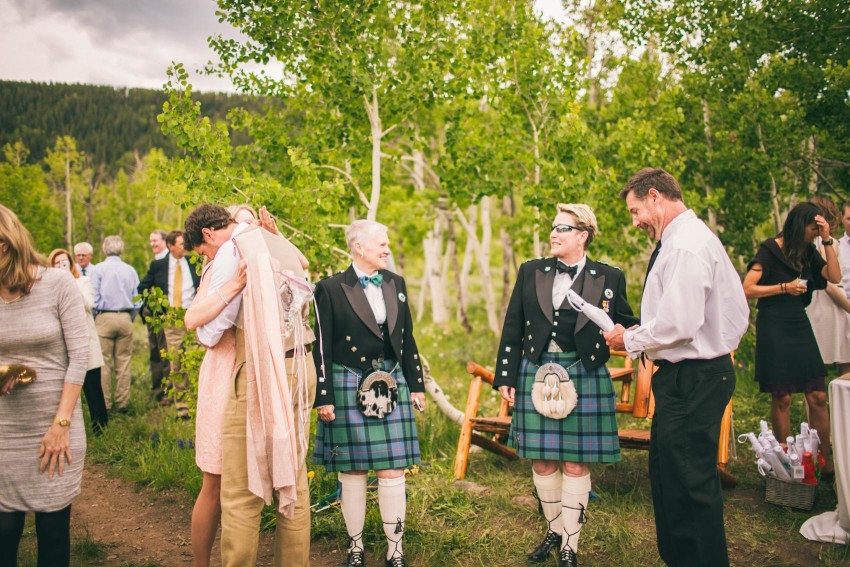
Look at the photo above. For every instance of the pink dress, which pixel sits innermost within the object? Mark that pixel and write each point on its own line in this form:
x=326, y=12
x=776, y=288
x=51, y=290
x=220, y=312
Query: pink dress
x=214, y=382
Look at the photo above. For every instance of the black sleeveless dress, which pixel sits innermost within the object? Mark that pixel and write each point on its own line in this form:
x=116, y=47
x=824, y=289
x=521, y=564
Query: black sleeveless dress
x=787, y=356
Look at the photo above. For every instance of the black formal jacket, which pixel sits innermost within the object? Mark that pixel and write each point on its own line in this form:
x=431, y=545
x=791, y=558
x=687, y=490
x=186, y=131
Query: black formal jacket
x=529, y=322
x=157, y=275
x=348, y=333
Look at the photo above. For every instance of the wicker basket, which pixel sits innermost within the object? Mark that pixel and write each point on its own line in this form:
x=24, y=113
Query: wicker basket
x=792, y=494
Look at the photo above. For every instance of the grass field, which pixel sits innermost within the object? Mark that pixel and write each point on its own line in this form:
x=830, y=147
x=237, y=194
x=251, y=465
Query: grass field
x=449, y=524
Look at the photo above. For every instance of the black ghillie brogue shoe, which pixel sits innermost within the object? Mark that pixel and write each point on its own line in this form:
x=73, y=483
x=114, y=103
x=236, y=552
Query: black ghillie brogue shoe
x=356, y=558
x=396, y=561
x=567, y=558
x=552, y=541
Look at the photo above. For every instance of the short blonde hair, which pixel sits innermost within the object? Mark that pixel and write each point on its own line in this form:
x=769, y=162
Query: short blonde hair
x=360, y=230
x=585, y=219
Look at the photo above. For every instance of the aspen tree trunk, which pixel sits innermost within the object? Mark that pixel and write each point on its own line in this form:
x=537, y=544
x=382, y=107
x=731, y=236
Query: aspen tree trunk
x=774, y=193
x=707, y=182
x=433, y=252
x=507, y=259
x=423, y=288
x=537, y=176
x=452, y=246
x=813, y=178
x=377, y=135
x=469, y=253
x=482, y=253
x=484, y=265
x=69, y=213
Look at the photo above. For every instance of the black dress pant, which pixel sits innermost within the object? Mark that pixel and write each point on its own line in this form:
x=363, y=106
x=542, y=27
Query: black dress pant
x=93, y=390
x=159, y=367
x=690, y=398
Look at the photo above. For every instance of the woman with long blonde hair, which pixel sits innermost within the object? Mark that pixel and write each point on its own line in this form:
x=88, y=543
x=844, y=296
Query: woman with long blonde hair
x=44, y=348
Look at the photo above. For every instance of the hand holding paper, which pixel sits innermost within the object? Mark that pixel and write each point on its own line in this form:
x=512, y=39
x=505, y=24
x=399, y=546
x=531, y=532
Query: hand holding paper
x=595, y=314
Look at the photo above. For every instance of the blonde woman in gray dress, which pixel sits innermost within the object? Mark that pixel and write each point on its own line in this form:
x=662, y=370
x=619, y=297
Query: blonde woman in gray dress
x=42, y=440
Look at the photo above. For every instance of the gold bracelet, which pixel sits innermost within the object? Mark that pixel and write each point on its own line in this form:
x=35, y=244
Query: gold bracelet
x=222, y=297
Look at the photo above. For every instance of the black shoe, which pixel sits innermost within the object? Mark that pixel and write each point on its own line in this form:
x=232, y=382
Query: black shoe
x=396, y=561
x=567, y=558
x=355, y=558
x=544, y=550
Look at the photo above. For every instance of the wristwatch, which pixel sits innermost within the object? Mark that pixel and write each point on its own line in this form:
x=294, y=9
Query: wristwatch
x=62, y=422
x=828, y=242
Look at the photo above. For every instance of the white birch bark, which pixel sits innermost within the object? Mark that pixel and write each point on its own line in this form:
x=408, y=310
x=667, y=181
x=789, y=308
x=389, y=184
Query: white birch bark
x=466, y=267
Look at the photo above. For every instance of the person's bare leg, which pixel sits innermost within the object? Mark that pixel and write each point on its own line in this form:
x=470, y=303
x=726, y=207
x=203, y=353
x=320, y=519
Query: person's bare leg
x=205, y=519
x=780, y=416
x=819, y=419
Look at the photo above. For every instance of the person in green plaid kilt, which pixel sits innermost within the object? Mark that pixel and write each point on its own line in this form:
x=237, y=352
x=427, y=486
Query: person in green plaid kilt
x=364, y=326
x=542, y=327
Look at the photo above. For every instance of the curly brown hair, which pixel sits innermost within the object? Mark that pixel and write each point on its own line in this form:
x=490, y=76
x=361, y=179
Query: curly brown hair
x=205, y=216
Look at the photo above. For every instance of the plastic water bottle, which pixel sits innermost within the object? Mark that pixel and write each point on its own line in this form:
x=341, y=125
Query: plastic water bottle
x=809, y=469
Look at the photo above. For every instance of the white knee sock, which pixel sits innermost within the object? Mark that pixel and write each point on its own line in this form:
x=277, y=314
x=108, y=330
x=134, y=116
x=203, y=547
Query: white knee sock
x=392, y=501
x=549, y=491
x=353, y=495
x=574, y=496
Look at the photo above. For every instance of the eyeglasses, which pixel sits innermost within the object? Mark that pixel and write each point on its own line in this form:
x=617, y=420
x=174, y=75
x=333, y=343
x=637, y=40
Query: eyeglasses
x=565, y=228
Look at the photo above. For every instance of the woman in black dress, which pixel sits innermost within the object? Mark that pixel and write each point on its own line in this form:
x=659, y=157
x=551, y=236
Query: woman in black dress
x=782, y=276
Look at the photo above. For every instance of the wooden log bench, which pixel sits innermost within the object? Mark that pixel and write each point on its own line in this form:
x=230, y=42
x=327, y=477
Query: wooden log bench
x=491, y=433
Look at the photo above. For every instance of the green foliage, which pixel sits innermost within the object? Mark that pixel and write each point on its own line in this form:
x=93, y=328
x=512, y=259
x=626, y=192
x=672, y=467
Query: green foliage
x=110, y=124
x=160, y=314
x=23, y=190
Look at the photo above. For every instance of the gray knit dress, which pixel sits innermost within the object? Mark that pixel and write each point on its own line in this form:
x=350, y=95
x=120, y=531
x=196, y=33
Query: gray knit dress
x=45, y=330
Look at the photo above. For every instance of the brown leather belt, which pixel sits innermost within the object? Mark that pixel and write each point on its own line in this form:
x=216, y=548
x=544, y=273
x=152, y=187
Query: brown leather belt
x=291, y=352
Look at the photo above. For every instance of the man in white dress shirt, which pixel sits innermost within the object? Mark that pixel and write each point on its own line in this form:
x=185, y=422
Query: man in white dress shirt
x=693, y=315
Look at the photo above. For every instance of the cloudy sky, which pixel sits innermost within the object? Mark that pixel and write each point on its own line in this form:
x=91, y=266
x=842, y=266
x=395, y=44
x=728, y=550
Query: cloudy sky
x=115, y=42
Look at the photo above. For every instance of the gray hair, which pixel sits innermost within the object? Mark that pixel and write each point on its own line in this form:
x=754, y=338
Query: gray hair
x=83, y=248
x=360, y=230
x=113, y=245
x=162, y=234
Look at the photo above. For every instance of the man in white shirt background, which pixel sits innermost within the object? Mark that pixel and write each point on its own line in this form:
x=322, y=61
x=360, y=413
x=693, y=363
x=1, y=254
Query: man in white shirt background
x=83, y=252
x=693, y=315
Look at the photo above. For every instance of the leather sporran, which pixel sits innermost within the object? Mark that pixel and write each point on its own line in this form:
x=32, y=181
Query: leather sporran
x=553, y=394
x=20, y=373
x=377, y=395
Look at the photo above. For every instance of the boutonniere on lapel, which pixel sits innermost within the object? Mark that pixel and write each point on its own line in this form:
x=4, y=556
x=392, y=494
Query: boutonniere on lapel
x=606, y=305
x=402, y=297
x=609, y=293
x=592, y=272
x=547, y=268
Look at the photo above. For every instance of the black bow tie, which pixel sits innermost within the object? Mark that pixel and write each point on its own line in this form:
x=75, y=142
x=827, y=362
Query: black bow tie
x=564, y=269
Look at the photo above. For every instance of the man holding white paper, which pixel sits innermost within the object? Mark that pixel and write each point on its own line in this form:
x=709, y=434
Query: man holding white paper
x=693, y=315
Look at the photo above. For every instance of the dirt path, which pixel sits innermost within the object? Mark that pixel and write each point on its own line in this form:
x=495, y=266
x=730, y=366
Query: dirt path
x=145, y=527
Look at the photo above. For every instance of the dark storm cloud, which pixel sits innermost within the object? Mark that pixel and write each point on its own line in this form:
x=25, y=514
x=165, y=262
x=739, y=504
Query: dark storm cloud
x=111, y=20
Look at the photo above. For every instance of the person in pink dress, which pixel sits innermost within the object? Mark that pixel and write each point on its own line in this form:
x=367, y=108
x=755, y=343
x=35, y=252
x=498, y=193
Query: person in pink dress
x=214, y=381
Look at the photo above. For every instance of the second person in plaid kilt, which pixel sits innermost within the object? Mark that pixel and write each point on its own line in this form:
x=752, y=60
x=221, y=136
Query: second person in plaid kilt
x=364, y=323
x=541, y=327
